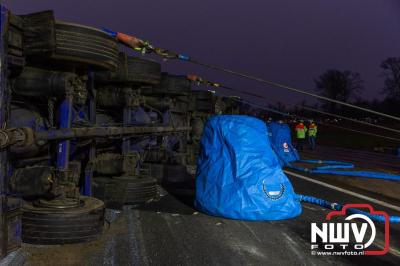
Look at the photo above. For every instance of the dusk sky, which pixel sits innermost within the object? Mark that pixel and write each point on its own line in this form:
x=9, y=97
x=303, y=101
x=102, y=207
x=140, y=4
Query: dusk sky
x=287, y=41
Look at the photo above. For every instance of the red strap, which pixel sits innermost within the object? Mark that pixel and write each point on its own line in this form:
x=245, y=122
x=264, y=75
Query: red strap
x=129, y=40
x=192, y=77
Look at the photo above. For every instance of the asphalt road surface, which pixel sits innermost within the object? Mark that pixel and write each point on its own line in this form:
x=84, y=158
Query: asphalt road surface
x=171, y=232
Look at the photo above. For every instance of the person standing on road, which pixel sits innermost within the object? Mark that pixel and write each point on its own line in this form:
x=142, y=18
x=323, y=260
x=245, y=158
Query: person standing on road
x=312, y=134
x=301, y=130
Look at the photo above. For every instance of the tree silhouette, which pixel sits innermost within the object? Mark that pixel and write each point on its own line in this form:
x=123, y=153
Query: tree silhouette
x=339, y=85
x=391, y=72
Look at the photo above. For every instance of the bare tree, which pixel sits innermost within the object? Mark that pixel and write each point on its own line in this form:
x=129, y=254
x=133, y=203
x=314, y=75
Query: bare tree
x=339, y=85
x=391, y=72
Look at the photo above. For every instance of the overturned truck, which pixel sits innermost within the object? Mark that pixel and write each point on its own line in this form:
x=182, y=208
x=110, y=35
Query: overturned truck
x=79, y=119
x=85, y=127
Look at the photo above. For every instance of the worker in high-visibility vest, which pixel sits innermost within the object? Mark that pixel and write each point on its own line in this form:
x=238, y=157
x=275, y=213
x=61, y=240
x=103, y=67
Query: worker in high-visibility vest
x=312, y=134
x=301, y=131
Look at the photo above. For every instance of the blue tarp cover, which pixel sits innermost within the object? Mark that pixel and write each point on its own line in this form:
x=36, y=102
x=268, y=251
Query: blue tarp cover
x=238, y=174
x=281, y=142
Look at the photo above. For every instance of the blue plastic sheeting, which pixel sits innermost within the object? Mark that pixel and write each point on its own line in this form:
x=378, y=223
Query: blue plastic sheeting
x=238, y=174
x=281, y=142
x=338, y=207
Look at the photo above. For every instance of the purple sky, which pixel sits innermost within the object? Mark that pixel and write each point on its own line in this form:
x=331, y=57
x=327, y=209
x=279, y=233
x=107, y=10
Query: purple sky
x=288, y=41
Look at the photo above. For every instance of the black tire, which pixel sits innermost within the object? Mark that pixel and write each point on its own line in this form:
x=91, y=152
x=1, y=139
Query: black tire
x=170, y=85
x=154, y=155
x=51, y=226
x=132, y=70
x=46, y=39
x=99, y=188
x=204, y=106
x=173, y=83
x=15, y=48
x=179, y=119
x=139, y=189
x=180, y=107
x=86, y=45
x=107, y=190
x=220, y=107
x=197, y=125
x=109, y=164
x=174, y=173
x=157, y=171
x=202, y=95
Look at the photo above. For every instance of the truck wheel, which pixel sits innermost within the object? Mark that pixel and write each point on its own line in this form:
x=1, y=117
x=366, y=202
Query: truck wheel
x=204, y=106
x=138, y=189
x=132, y=70
x=180, y=107
x=53, y=226
x=85, y=45
x=46, y=39
x=157, y=171
x=203, y=95
x=170, y=85
x=107, y=190
x=175, y=84
x=174, y=173
x=138, y=70
x=179, y=120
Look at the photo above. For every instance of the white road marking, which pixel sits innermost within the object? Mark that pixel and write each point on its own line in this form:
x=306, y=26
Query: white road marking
x=310, y=208
x=381, y=245
x=251, y=231
x=349, y=192
x=294, y=247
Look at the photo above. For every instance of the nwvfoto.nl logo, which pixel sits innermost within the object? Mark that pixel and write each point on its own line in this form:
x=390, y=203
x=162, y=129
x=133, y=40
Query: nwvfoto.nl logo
x=353, y=236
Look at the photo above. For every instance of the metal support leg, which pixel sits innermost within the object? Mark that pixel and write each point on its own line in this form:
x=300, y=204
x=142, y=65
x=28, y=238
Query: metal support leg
x=65, y=122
